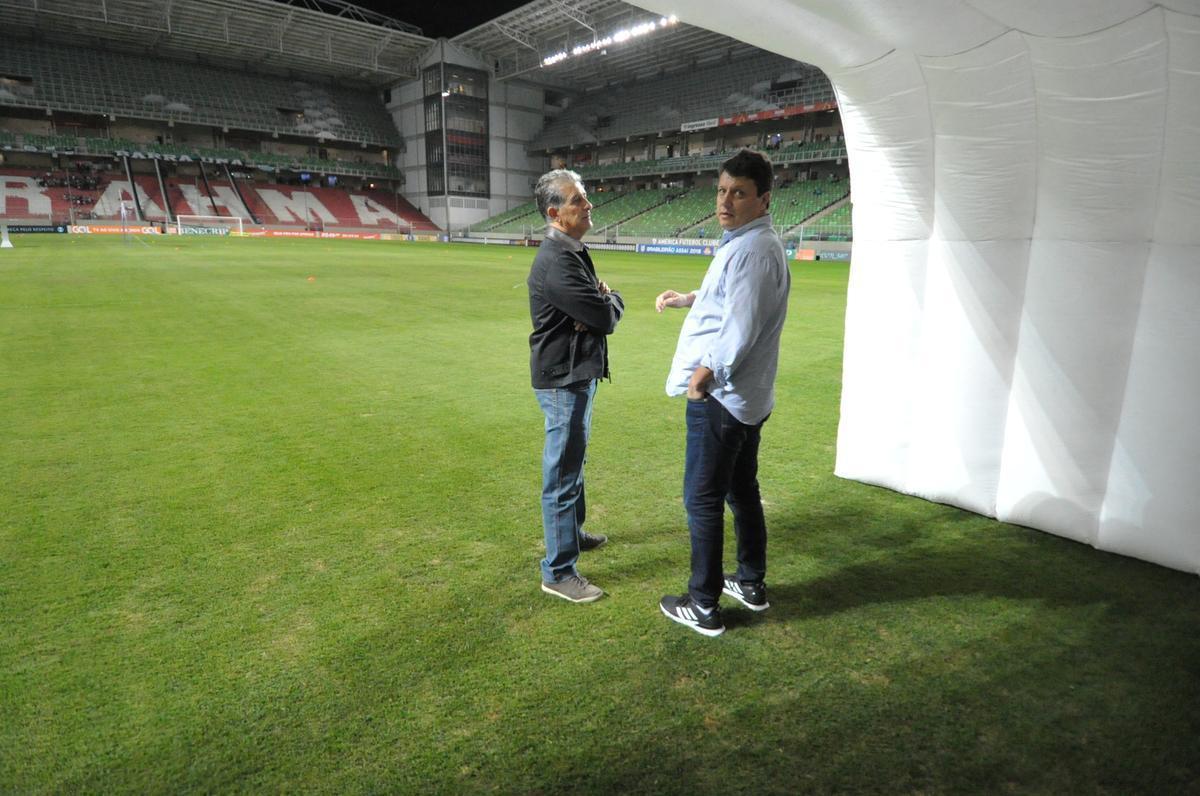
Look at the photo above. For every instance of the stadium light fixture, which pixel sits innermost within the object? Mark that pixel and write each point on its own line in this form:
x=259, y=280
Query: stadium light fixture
x=617, y=37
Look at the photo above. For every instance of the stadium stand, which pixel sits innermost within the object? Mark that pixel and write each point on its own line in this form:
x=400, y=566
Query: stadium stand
x=721, y=89
x=834, y=225
x=120, y=146
x=30, y=193
x=79, y=80
x=404, y=209
x=283, y=127
x=792, y=153
x=792, y=205
x=680, y=212
x=530, y=222
x=249, y=198
x=323, y=207
x=626, y=206
x=524, y=218
x=688, y=213
x=526, y=213
x=24, y=193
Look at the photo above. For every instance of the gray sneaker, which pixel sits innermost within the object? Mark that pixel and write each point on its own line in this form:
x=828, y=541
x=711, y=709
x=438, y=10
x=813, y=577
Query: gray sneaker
x=574, y=588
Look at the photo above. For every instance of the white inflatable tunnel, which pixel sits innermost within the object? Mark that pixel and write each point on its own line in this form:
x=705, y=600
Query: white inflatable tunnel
x=1023, y=319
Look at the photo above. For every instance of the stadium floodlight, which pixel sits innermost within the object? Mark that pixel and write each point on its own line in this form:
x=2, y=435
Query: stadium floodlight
x=208, y=225
x=617, y=37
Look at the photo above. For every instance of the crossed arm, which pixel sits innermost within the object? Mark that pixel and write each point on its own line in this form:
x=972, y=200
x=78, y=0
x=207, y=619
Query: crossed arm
x=580, y=326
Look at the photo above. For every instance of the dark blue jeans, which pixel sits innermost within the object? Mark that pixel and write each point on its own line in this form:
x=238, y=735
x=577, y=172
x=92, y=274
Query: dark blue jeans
x=721, y=467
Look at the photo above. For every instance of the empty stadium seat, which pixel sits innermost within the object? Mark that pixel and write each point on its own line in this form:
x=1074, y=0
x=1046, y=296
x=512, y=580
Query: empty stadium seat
x=651, y=106
x=133, y=86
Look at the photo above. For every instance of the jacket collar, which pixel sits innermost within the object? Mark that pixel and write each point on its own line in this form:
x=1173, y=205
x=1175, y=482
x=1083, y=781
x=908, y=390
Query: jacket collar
x=558, y=236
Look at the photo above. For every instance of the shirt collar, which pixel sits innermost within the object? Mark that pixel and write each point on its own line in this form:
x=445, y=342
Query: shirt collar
x=758, y=223
x=556, y=234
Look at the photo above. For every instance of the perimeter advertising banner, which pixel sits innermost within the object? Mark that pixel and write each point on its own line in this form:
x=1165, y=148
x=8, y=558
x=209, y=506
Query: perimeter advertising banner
x=822, y=254
x=305, y=233
x=113, y=229
x=674, y=248
x=188, y=230
x=778, y=113
x=25, y=229
x=490, y=241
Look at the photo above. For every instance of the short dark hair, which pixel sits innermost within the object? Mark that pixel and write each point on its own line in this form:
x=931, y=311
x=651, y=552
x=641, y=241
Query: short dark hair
x=549, y=191
x=753, y=165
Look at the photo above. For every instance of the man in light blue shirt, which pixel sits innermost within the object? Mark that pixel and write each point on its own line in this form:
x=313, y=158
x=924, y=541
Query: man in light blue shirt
x=725, y=362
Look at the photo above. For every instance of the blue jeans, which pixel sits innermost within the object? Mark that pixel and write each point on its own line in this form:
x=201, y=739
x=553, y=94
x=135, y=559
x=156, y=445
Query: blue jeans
x=721, y=466
x=568, y=412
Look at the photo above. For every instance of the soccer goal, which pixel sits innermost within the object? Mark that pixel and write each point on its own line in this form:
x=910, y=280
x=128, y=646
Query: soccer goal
x=208, y=225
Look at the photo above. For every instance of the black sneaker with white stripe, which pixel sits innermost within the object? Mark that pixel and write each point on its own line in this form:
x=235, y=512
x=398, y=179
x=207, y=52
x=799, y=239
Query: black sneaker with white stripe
x=753, y=595
x=686, y=612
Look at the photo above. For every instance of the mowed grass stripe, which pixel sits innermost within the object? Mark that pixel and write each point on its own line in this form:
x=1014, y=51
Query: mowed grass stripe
x=265, y=532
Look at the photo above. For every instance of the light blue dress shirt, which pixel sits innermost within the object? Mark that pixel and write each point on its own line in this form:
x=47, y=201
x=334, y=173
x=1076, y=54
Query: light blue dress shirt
x=734, y=325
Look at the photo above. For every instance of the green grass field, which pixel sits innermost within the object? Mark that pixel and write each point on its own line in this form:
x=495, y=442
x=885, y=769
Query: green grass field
x=269, y=523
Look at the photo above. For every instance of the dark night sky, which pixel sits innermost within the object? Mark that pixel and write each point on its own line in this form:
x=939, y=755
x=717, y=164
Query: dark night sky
x=442, y=19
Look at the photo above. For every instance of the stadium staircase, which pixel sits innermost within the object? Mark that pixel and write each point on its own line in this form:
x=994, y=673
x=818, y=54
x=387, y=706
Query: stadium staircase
x=149, y=198
x=179, y=205
x=208, y=190
x=161, y=183
x=137, y=201
x=255, y=206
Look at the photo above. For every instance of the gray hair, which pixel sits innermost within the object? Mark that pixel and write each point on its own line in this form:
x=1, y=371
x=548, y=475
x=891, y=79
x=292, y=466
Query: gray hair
x=548, y=192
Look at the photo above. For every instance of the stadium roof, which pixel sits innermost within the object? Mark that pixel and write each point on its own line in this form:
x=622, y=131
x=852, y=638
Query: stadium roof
x=518, y=42
x=340, y=40
x=316, y=37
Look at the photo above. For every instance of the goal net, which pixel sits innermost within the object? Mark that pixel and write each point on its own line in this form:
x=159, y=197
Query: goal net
x=208, y=225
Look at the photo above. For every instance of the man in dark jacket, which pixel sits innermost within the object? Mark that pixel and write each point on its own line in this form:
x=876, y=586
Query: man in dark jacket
x=572, y=312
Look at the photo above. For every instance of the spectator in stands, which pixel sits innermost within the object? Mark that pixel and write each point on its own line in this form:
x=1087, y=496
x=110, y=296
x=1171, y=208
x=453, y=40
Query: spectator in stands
x=573, y=312
x=725, y=362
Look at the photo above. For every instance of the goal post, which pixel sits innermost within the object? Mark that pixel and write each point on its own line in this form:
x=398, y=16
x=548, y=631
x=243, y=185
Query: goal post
x=209, y=225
